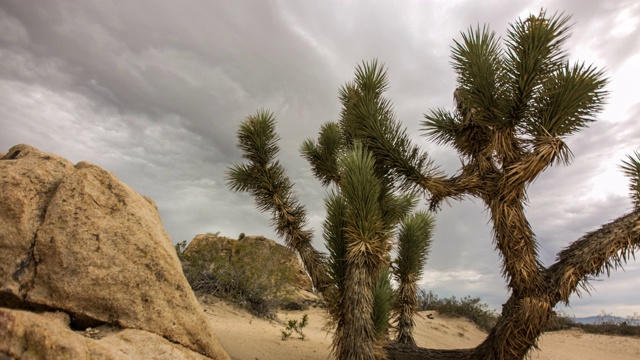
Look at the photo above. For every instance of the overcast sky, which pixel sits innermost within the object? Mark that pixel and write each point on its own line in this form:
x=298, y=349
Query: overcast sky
x=154, y=91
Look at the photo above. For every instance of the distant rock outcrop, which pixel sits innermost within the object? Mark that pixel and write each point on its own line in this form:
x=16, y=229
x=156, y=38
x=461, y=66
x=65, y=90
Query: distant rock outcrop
x=76, y=240
x=286, y=259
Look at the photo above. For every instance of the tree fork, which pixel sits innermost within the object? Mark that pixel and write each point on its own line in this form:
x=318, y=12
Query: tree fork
x=620, y=236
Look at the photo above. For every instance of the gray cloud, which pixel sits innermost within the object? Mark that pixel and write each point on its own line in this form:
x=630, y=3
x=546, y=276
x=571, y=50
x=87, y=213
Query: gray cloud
x=154, y=91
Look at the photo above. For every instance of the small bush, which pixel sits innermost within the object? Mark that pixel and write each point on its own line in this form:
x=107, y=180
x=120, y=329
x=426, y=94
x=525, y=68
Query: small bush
x=180, y=248
x=605, y=325
x=294, y=306
x=608, y=325
x=467, y=307
x=241, y=236
x=252, y=278
x=560, y=321
x=616, y=329
x=297, y=326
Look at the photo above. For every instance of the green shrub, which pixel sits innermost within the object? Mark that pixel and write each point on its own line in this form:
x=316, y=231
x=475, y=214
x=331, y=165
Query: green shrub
x=560, y=321
x=180, y=248
x=297, y=326
x=607, y=325
x=604, y=326
x=467, y=307
x=250, y=276
x=611, y=328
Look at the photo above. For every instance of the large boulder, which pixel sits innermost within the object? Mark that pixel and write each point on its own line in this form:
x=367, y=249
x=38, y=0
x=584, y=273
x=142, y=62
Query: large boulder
x=262, y=249
x=82, y=242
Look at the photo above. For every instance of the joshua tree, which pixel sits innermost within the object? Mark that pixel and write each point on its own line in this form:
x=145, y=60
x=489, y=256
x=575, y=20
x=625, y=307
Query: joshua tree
x=515, y=106
x=364, y=208
x=359, y=241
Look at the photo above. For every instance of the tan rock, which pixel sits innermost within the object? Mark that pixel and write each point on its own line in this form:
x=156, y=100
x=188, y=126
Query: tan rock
x=28, y=180
x=28, y=335
x=83, y=242
x=286, y=259
x=103, y=254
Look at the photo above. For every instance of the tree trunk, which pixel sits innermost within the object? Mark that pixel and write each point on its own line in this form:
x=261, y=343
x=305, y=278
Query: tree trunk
x=397, y=351
x=516, y=243
x=517, y=330
x=355, y=335
x=513, y=336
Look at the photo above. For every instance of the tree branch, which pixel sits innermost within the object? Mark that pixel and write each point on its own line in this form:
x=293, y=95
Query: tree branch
x=595, y=253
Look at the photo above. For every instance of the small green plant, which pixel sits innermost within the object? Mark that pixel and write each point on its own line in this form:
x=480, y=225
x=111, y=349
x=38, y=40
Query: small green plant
x=241, y=236
x=295, y=326
x=180, y=249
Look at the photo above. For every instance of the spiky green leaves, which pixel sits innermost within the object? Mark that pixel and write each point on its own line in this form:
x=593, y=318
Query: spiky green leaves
x=549, y=97
x=477, y=61
x=513, y=103
x=361, y=190
x=631, y=168
x=323, y=155
x=263, y=176
x=533, y=53
x=569, y=100
x=368, y=117
x=414, y=241
x=441, y=127
x=257, y=138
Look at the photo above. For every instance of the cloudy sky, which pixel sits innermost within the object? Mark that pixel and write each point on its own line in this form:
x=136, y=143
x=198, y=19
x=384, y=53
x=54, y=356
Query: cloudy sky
x=154, y=90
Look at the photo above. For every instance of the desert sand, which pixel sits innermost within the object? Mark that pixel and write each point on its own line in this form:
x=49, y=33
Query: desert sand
x=246, y=337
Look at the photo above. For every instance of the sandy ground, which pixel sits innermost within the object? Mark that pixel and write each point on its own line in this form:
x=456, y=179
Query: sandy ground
x=245, y=337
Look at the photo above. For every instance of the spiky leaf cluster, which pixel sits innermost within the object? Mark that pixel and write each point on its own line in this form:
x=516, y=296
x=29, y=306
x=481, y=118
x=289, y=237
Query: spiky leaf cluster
x=631, y=168
x=414, y=241
x=515, y=105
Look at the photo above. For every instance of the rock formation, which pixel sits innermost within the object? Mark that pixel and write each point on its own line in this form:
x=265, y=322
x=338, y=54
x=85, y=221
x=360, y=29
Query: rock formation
x=29, y=335
x=286, y=259
x=78, y=241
